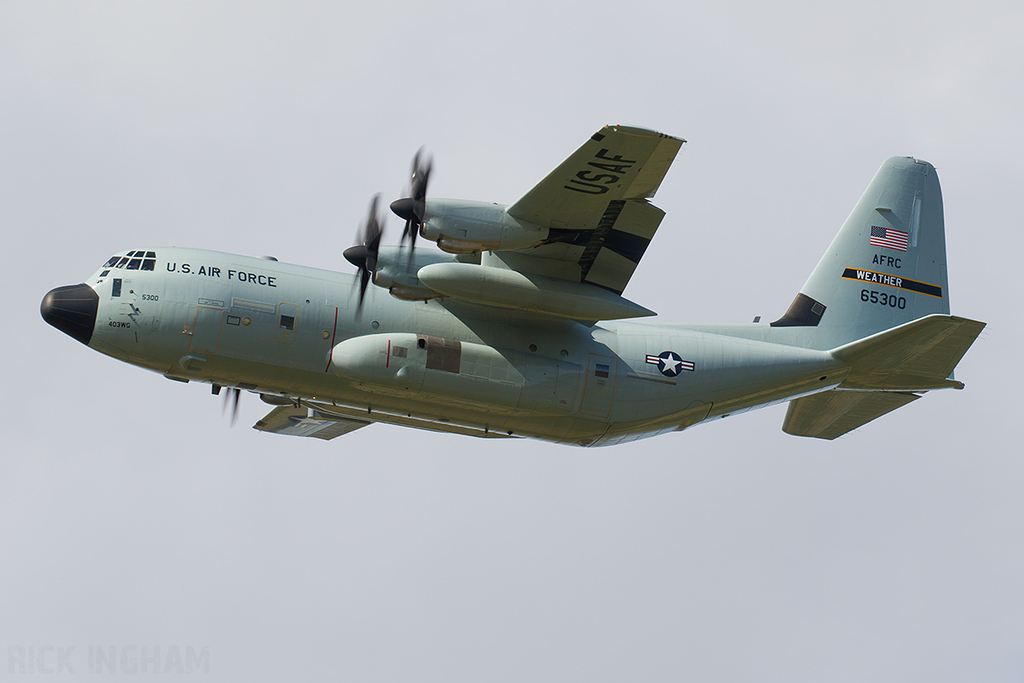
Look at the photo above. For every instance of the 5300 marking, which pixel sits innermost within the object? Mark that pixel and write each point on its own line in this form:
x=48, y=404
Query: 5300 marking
x=883, y=299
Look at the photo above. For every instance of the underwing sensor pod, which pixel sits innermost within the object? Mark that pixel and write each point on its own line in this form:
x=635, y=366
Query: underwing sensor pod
x=453, y=371
x=517, y=326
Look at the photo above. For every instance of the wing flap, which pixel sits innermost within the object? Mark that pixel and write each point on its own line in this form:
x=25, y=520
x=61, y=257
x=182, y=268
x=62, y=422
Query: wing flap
x=831, y=414
x=613, y=254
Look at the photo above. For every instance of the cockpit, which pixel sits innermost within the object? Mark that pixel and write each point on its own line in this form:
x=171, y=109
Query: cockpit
x=133, y=260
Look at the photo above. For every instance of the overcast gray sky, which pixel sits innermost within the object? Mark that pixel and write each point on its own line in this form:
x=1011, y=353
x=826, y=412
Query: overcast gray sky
x=132, y=516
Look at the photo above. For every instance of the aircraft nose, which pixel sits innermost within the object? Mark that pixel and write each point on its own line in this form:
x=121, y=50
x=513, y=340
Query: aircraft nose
x=72, y=310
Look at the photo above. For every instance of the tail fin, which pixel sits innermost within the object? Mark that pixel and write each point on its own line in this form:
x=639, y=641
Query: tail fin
x=887, y=265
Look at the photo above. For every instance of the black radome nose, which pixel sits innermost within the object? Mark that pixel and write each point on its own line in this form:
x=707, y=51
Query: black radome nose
x=72, y=310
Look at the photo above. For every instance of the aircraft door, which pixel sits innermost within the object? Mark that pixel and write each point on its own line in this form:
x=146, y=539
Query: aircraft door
x=549, y=383
x=567, y=385
x=206, y=329
x=599, y=386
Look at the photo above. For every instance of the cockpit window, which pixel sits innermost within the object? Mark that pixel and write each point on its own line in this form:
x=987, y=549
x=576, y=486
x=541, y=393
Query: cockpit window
x=134, y=260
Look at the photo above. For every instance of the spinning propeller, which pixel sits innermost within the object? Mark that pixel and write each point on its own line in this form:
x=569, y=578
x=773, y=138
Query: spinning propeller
x=230, y=397
x=412, y=208
x=364, y=255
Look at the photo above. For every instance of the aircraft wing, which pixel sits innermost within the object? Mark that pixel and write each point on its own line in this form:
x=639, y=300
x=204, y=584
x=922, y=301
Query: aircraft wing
x=327, y=421
x=595, y=205
x=301, y=421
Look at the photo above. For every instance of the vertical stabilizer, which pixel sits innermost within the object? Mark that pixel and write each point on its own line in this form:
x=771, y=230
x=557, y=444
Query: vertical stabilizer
x=887, y=265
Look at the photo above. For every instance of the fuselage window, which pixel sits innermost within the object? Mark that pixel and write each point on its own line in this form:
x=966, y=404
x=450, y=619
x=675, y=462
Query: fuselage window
x=288, y=322
x=115, y=289
x=105, y=273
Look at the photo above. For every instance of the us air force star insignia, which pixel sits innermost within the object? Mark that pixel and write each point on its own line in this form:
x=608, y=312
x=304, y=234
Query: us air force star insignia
x=670, y=363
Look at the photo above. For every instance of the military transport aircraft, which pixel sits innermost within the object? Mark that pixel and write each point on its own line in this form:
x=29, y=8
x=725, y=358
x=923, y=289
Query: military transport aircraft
x=517, y=327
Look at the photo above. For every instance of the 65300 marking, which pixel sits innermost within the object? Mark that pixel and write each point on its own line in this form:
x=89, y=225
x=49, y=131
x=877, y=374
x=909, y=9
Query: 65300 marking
x=883, y=299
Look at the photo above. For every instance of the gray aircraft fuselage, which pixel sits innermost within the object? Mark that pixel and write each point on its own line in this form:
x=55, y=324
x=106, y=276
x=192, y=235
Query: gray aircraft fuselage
x=288, y=331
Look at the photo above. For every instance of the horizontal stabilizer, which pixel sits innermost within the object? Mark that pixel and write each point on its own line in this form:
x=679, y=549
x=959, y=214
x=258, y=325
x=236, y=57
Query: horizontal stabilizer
x=916, y=356
x=831, y=414
x=885, y=369
x=292, y=421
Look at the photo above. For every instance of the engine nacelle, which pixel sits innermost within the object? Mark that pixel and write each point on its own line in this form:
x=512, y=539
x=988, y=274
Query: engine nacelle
x=397, y=268
x=461, y=227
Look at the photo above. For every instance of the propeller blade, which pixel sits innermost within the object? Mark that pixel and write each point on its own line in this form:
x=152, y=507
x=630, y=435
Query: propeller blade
x=364, y=281
x=413, y=207
x=364, y=255
x=420, y=177
x=231, y=397
x=410, y=232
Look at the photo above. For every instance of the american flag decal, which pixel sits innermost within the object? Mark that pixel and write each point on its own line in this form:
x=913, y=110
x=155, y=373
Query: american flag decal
x=889, y=238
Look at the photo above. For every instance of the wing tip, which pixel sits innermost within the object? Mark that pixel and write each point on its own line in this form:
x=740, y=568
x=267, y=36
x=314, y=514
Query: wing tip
x=638, y=131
